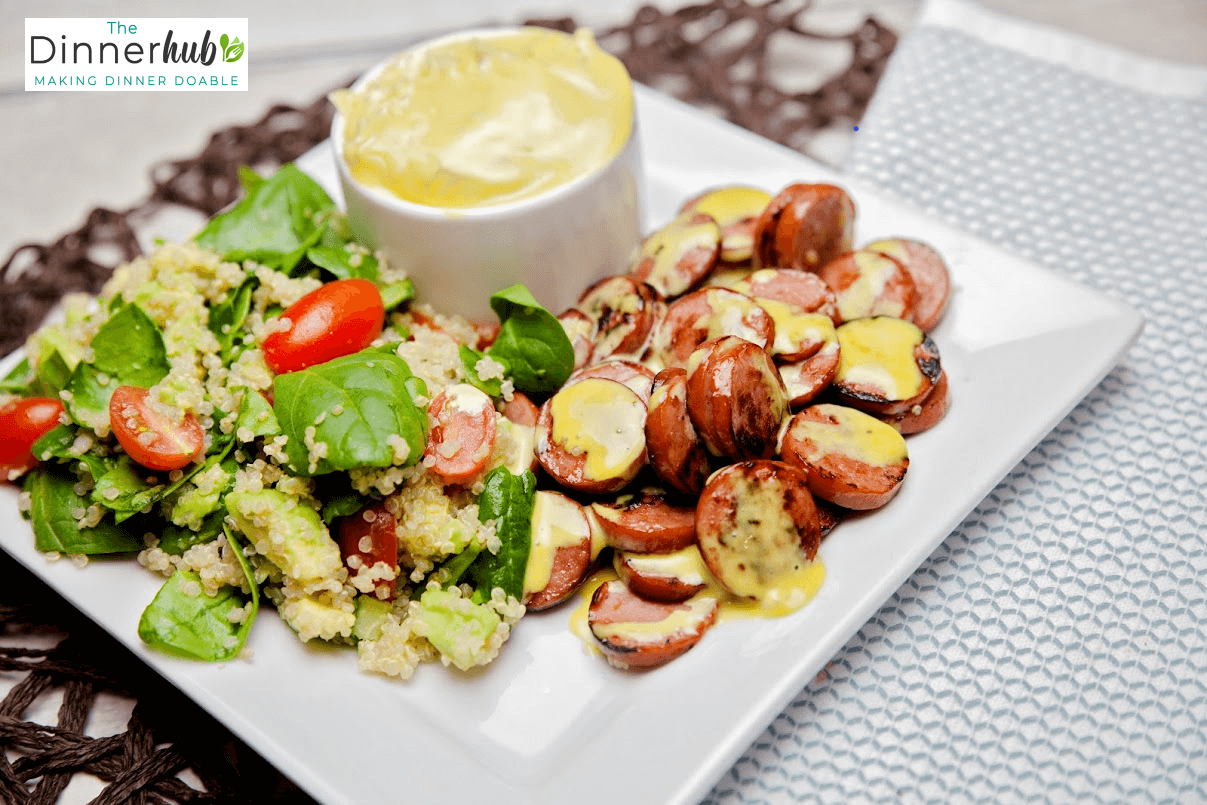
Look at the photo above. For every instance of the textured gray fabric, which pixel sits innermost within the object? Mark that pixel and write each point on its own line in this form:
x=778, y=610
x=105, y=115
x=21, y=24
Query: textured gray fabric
x=1053, y=648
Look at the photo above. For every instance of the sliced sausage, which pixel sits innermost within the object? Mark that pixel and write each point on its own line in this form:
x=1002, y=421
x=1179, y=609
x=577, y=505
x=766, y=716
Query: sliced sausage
x=735, y=398
x=804, y=226
x=591, y=435
x=802, y=291
x=634, y=375
x=461, y=433
x=868, y=283
x=515, y=443
x=924, y=415
x=624, y=312
x=735, y=209
x=646, y=522
x=520, y=409
x=828, y=515
x=668, y=577
x=706, y=314
x=805, y=379
x=932, y=281
x=635, y=633
x=885, y=365
x=851, y=458
x=725, y=277
x=680, y=255
x=487, y=332
x=581, y=330
x=757, y=528
x=560, y=555
x=676, y=453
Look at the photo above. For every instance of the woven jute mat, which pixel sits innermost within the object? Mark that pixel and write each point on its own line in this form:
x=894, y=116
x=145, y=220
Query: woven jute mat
x=716, y=55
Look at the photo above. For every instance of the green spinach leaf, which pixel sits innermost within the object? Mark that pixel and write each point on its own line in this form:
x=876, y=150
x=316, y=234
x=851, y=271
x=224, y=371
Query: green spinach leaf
x=343, y=264
x=507, y=499
x=228, y=316
x=469, y=360
x=178, y=539
x=55, y=508
x=371, y=390
x=531, y=343
x=395, y=294
x=256, y=415
x=128, y=350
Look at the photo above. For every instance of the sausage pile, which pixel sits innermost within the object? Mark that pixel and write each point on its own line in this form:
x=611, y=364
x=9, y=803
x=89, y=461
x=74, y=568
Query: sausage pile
x=748, y=382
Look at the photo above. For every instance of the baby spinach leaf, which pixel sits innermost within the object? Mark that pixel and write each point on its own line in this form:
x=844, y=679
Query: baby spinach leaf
x=178, y=539
x=51, y=376
x=55, y=508
x=507, y=499
x=54, y=444
x=274, y=224
x=372, y=392
x=128, y=349
x=228, y=316
x=469, y=359
x=18, y=379
x=455, y=567
x=125, y=491
x=343, y=264
x=256, y=415
x=395, y=294
x=531, y=343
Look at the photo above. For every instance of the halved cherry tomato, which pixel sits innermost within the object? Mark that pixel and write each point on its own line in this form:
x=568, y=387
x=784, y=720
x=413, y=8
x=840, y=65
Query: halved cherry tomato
x=370, y=534
x=461, y=433
x=334, y=320
x=23, y=422
x=151, y=438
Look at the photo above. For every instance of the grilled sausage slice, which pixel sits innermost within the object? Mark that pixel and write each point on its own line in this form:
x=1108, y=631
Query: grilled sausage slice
x=924, y=415
x=801, y=291
x=868, y=283
x=663, y=576
x=680, y=255
x=735, y=398
x=885, y=365
x=735, y=208
x=809, y=377
x=646, y=522
x=926, y=268
x=581, y=330
x=635, y=633
x=632, y=374
x=850, y=458
x=591, y=435
x=624, y=310
x=560, y=556
x=676, y=453
x=757, y=528
x=705, y=314
x=804, y=226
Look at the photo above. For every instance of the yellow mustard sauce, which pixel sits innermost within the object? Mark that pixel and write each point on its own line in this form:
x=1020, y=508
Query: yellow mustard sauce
x=879, y=352
x=602, y=420
x=857, y=435
x=558, y=522
x=486, y=120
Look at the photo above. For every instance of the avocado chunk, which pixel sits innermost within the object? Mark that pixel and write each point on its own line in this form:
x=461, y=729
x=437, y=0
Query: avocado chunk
x=287, y=532
x=462, y=631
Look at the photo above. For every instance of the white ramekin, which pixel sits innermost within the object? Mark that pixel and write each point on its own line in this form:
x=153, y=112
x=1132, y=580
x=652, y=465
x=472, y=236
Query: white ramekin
x=556, y=243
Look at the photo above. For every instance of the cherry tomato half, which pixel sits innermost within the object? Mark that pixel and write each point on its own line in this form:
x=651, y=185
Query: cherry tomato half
x=461, y=433
x=151, y=438
x=334, y=320
x=23, y=422
x=381, y=545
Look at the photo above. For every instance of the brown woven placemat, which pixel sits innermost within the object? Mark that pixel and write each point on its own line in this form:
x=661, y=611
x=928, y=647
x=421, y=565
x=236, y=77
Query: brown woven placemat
x=716, y=55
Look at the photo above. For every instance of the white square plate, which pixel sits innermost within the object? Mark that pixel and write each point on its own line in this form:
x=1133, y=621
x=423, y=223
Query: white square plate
x=546, y=723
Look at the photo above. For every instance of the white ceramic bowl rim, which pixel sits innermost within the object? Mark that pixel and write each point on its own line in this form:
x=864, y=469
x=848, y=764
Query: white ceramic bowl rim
x=388, y=199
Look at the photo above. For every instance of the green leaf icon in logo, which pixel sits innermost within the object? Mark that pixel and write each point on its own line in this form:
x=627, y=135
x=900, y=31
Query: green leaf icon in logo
x=231, y=51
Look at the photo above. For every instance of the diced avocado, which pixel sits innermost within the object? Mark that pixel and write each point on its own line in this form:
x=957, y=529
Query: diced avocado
x=287, y=532
x=371, y=615
x=311, y=618
x=459, y=629
x=198, y=498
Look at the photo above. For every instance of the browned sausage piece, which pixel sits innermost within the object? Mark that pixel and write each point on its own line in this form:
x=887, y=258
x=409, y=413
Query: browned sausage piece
x=828, y=515
x=591, y=435
x=635, y=633
x=663, y=576
x=757, y=528
x=624, y=312
x=736, y=209
x=581, y=330
x=520, y=409
x=851, y=458
x=646, y=522
x=924, y=415
x=932, y=281
x=705, y=314
x=634, y=375
x=807, y=378
x=560, y=555
x=869, y=283
x=885, y=365
x=804, y=226
x=735, y=398
x=801, y=291
x=679, y=255
x=676, y=453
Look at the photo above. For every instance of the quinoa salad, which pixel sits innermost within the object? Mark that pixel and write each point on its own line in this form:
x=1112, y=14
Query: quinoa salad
x=265, y=414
